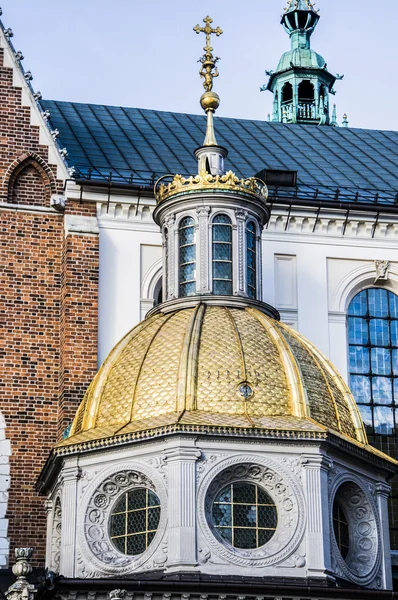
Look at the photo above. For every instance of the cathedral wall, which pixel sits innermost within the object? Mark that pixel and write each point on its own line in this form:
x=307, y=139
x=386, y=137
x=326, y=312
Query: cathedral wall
x=305, y=273
x=49, y=284
x=29, y=363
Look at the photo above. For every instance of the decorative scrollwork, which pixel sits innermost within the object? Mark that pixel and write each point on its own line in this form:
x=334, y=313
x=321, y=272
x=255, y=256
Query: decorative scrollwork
x=363, y=559
x=283, y=490
x=96, y=517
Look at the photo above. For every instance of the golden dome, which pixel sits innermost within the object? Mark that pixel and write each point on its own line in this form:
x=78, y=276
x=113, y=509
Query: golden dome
x=212, y=368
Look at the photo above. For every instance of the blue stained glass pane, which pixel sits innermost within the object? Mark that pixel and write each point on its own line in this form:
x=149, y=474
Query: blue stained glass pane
x=222, y=233
x=251, y=259
x=378, y=302
x=359, y=305
x=382, y=390
x=186, y=222
x=222, y=251
x=187, y=272
x=383, y=420
x=359, y=360
x=394, y=359
x=224, y=495
x=222, y=219
x=188, y=289
x=393, y=305
x=357, y=331
x=251, y=278
x=222, y=288
x=187, y=236
x=394, y=333
x=395, y=386
x=222, y=270
x=222, y=515
x=380, y=361
x=379, y=332
x=360, y=387
x=366, y=414
x=187, y=254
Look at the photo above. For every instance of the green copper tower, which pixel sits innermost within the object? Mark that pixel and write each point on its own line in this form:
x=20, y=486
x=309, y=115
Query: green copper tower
x=301, y=84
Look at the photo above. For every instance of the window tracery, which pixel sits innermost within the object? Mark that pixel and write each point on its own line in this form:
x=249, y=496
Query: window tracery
x=187, y=257
x=222, y=255
x=251, y=259
x=373, y=358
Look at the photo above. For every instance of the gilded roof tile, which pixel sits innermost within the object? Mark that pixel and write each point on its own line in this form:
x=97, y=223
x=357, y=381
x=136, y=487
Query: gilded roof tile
x=186, y=368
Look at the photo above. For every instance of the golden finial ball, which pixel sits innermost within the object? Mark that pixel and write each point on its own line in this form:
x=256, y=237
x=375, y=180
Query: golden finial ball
x=210, y=101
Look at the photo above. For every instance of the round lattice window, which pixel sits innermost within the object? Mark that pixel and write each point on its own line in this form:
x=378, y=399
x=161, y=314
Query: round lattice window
x=134, y=521
x=355, y=532
x=244, y=515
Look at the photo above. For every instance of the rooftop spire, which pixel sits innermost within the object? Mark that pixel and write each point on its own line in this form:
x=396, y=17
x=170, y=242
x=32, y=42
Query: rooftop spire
x=209, y=100
x=210, y=156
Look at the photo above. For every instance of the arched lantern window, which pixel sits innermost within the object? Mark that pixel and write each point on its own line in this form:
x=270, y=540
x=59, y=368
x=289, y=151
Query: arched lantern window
x=187, y=257
x=222, y=255
x=251, y=260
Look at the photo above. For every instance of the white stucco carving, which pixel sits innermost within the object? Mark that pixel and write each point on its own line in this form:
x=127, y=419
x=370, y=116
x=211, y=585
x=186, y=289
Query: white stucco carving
x=282, y=488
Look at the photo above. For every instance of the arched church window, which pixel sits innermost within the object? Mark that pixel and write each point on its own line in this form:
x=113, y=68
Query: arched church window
x=287, y=92
x=222, y=255
x=244, y=515
x=134, y=521
x=373, y=358
x=187, y=257
x=251, y=259
x=305, y=91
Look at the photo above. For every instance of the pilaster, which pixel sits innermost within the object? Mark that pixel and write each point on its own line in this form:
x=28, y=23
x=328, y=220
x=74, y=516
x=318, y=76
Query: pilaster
x=318, y=525
x=181, y=459
x=169, y=274
x=382, y=494
x=203, y=266
x=49, y=505
x=70, y=479
x=240, y=253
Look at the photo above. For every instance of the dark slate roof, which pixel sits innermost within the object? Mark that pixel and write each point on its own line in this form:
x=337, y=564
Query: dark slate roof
x=135, y=142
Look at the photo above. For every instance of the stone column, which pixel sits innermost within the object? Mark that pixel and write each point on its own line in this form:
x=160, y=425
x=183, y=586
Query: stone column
x=181, y=459
x=382, y=494
x=170, y=277
x=318, y=528
x=202, y=251
x=49, y=505
x=240, y=252
x=70, y=478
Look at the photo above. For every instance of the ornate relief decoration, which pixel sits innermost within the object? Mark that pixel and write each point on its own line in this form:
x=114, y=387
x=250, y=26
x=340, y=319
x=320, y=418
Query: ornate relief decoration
x=382, y=267
x=203, y=214
x=94, y=541
x=364, y=555
x=56, y=536
x=279, y=485
x=241, y=217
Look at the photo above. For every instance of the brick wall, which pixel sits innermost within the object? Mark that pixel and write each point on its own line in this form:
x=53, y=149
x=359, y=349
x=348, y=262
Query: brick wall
x=48, y=313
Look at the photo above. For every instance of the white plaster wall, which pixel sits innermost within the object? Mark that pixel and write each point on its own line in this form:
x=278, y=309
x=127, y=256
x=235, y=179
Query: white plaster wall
x=123, y=266
x=306, y=273
x=5, y=452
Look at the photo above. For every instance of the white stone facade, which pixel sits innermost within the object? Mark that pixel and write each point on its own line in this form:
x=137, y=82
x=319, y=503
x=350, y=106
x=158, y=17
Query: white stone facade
x=5, y=452
x=313, y=265
x=301, y=478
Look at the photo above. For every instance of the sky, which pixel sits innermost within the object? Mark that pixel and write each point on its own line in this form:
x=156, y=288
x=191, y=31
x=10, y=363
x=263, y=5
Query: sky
x=144, y=53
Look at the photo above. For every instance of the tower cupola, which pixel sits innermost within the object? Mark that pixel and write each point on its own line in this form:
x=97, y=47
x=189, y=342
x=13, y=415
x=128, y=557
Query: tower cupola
x=212, y=221
x=301, y=84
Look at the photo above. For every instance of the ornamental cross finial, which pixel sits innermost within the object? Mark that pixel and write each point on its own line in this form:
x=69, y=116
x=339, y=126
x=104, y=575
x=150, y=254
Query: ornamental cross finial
x=209, y=69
